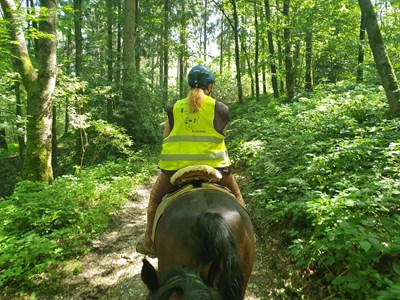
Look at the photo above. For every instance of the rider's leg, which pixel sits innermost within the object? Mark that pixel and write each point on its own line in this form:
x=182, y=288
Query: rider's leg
x=229, y=181
x=160, y=188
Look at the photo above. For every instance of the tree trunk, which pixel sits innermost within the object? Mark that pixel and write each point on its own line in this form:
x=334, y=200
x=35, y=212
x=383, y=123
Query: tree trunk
x=54, y=144
x=274, y=77
x=237, y=54
x=247, y=61
x=165, y=51
x=19, y=123
x=221, y=45
x=137, y=39
x=3, y=141
x=256, y=54
x=182, y=51
x=289, y=72
x=205, y=20
x=110, y=58
x=128, y=52
x=382, y=61
x=361, y=41
x=118, y=73
x=308, y=76
x=78, y=37
x=39, y=86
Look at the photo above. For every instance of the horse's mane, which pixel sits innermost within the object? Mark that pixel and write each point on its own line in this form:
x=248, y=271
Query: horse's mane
x=218, y=247
x=186, y=284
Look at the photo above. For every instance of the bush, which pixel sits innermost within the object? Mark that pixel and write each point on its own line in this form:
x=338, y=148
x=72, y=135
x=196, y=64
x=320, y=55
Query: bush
x=43, y=224
x=325, y=170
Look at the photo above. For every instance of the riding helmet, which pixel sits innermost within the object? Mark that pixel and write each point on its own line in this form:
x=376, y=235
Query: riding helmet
x=200, y=76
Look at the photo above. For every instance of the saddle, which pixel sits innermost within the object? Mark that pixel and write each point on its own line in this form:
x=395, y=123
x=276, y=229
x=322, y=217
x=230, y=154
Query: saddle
x=187, y=179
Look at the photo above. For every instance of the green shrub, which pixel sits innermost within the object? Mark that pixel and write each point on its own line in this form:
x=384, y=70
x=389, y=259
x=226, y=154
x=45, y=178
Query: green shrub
x=325, y=169
x=43, y=224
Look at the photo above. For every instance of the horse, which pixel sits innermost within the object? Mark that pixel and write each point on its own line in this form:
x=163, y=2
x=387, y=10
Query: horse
x=205, y=245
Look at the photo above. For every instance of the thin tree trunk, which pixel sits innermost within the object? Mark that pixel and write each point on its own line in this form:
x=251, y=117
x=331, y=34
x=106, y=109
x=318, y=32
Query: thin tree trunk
x=308, y=76
x=249, y=68
x=119, y=45
x=137, y=39
x=110, y=58
x=78, y=37
x=361, y=41
x=205, y=20
x=3, y=141
x=274, y=77
x=54, y=144
x=182, y=51
x=256, y=50
x=288, y=53
x=165, y=51
x=237, y=54
x=221, y=53
x=382, y=61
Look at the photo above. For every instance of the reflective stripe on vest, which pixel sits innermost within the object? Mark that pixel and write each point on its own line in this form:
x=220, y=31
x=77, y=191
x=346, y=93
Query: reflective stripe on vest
x=193, y=139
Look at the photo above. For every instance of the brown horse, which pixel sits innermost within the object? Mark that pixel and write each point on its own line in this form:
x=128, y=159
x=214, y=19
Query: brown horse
x=205, y=246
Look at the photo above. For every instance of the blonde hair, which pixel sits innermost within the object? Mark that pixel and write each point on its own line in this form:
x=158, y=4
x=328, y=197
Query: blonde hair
x=195, y=99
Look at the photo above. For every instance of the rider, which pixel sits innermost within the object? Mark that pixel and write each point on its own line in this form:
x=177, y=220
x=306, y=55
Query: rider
x=193, y=134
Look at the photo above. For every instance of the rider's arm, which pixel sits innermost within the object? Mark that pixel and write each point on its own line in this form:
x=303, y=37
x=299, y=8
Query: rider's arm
x=167, y=129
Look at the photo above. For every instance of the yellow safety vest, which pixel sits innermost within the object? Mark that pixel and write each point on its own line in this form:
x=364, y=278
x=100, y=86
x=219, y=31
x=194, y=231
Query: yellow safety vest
x=193, y=139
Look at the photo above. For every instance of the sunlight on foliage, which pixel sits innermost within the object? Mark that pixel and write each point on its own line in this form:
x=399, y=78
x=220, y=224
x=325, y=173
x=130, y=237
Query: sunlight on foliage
x=334, y=194
x=41, y=224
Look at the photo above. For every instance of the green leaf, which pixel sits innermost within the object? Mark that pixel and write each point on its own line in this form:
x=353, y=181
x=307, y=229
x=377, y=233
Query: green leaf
x=396, y=268
x=354, y=285
x=365, y=245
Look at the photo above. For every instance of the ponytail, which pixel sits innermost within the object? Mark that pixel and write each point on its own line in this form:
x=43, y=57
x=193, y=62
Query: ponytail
x=195, y=99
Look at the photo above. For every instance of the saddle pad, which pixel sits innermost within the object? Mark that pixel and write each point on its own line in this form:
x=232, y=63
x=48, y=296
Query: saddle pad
x=171, y=197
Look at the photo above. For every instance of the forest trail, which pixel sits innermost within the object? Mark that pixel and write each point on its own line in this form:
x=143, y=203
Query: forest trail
x=111, y=270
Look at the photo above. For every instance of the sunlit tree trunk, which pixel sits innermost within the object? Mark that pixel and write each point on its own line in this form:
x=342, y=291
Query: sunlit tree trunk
x=39, y=85
x=382, y=61
x=20, y=116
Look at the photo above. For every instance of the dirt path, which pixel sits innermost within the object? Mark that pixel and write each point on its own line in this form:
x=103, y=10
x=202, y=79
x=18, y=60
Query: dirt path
x=112, y=269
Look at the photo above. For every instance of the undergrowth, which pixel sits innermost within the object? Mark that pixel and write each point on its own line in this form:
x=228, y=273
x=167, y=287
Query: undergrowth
x=325, y=172
x=41, y=225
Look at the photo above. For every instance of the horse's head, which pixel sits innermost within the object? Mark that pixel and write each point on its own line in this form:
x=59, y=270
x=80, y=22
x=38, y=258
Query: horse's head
x=176, y=283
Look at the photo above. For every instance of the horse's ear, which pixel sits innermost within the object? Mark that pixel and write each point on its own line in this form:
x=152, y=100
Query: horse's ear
x=149, y=276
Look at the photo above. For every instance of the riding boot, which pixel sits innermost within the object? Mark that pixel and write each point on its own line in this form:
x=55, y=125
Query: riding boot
x=161, y=187
x=229, y=181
